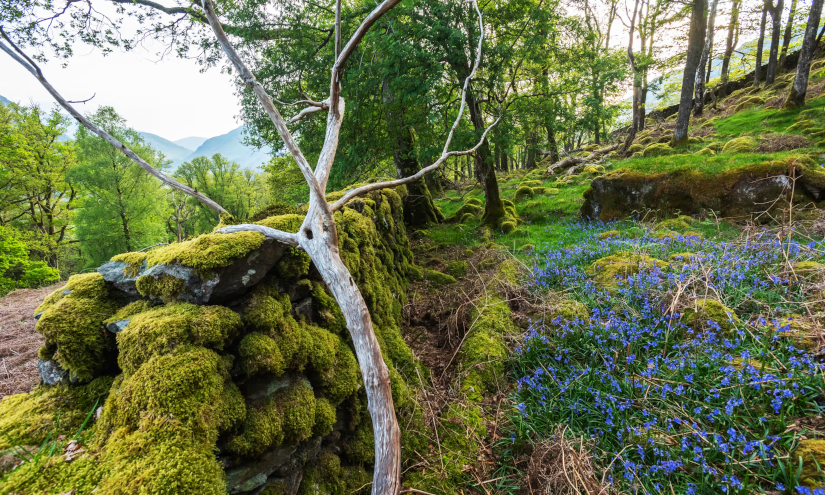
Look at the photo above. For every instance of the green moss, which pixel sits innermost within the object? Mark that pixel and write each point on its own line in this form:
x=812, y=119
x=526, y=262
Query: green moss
x=322, y=349
x=569, y=310
x=187, y=385
x=635, y=148
x=133, y=262
x=438, y=279
x=705, y=152
x=265, y=308
x=743, y=144
x=659, y=149
x=704, y=310
x=343, y=378
x=483, y=354
x=324, y=418
x=294, y=264
x=466, y=218
x=27, y=419
x=258, y=353
x=610, y=233
x=73, y=326
x=261, y=429
x=162, y=330
x=522, y=193
x=748, y=102
x=812, y=453
x=593, y=170
x=608, y=270
x=458, y=268
x=508, y=226
x=508, y=204
x=208, y=251
x=807, y=268
x=679, y=224
x=802, y=125
x=531, y=183
x=359, y=448
x=129, y=311
x=468, y=207
x=290, y=222
x=164, y=287
x=473, y=201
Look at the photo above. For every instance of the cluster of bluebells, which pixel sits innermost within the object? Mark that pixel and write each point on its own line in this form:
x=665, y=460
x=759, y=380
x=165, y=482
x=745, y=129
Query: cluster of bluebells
x=666, y=405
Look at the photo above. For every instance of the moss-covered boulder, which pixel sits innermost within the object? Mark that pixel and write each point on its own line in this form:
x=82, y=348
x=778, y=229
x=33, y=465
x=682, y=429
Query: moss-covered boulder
x=679, y=223
x=458, y=268
x=812, y=453
x=743, y=144
x=471, y=206
x=802, y=125
x=634, y=148
x=610, y=270
x=659, y=149
x=705, y=152
x=568, y=310
x=522, y=193
x=749, y=102
x=210, y=268
x=710, y=313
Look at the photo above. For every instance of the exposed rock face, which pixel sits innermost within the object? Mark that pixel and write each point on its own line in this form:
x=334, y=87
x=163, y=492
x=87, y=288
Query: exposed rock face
x=745, y=192
x=50, y=372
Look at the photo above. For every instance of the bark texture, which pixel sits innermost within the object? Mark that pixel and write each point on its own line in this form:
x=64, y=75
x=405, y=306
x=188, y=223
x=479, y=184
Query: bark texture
x=786, y=39
x=757, y=74
x=730, y=45
x=696, y=43
x=699, y=97
x=796, y=97
x=776, y=32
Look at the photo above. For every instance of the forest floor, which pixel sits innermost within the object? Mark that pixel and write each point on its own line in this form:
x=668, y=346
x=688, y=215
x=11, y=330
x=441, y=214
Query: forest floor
x=19, y=341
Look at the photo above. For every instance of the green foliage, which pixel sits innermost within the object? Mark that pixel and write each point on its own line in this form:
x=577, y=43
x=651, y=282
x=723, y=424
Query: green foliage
x=122, y=208
x=260, y=354
x=17, y=269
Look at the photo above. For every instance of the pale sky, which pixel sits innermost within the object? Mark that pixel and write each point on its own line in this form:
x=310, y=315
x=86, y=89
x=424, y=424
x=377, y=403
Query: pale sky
x=169, y=97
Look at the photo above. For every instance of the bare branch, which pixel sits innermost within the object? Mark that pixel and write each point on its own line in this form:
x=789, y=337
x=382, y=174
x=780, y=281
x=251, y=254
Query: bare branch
x=87, y=100
x=21, y=58
x=418, y=175
x=444, y=154
x=310, y=110
x=278, y=235
x=266, y=101
x=467, y=81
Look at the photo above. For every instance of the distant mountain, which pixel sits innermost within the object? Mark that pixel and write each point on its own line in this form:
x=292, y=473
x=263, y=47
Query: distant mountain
x=172, y=151
x=191, y=142
x=4, y=100
x=231, y=146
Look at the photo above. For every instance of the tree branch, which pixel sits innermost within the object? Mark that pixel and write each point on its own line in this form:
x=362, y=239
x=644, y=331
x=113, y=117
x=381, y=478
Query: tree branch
x=20, y=57
x=278, y=235
x=274, y=115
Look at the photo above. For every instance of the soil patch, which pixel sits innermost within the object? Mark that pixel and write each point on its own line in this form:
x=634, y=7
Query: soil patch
x=19, y=341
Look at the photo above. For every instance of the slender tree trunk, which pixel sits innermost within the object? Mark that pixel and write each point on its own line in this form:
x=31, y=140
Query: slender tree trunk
x=319, y=239
x=732, y=41
x=551, y=145
x=696, y=43
x=531, y=150
x=796, y=97
x=786, y=41
x=699, y=97
x=757, y=77
x=418, y=206
x=773, y=58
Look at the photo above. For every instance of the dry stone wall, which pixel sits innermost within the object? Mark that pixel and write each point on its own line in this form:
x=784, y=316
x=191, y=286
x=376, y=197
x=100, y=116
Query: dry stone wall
x=216, y=365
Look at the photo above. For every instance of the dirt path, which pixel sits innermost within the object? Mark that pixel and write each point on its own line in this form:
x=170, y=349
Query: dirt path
x=19, y=341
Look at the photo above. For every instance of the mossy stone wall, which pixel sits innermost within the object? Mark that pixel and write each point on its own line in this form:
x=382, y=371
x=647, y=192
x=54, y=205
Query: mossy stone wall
x=252, y=395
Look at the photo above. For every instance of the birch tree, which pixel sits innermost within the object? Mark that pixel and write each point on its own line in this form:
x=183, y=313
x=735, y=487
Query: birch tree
x=318, y=235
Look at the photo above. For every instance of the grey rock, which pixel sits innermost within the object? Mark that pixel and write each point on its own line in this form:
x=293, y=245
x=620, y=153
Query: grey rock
x=51, y=373
x=38, y=315
x=118, y=326
x=262, y=386
x=282, y=462
x=303, y=308
x=114, y=272
x=224, y=283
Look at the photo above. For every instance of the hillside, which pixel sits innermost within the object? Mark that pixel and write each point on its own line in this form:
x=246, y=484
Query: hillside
x=231, y=146
x=4, y=100
x=191, y=143
x=172, y=151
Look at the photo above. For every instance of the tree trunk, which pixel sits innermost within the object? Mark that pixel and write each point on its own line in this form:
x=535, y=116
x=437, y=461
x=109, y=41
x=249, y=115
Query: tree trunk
x=696, y=43
x=796, y=97
x=551, y=145
x=786, y=41
x=319, y=238
x=699, y=97
x=757, y=73
x=732, y=41
x=531, y=150
x=773, y=58
x=418, y=206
